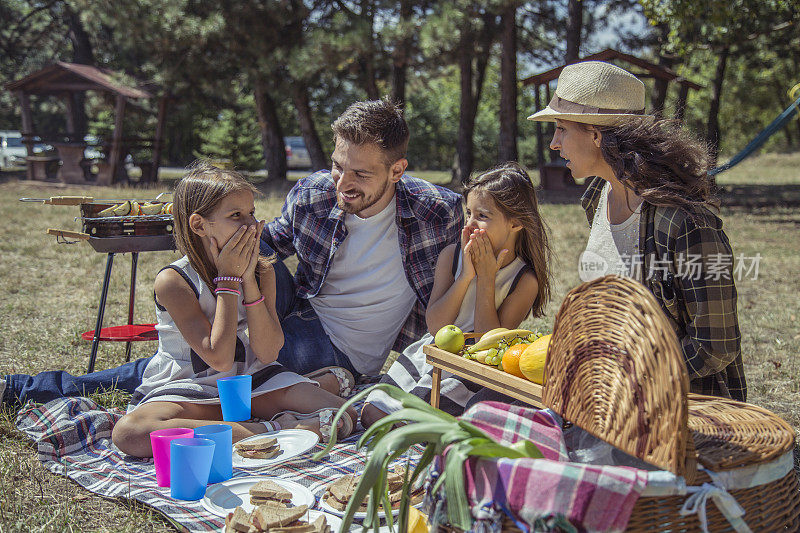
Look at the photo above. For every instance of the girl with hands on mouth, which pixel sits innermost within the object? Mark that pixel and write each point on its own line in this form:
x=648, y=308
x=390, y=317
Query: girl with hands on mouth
x=217, y=318
x=495, y=277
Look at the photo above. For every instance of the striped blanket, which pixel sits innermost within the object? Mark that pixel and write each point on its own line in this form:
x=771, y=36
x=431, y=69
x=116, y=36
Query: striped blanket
x=73, y=437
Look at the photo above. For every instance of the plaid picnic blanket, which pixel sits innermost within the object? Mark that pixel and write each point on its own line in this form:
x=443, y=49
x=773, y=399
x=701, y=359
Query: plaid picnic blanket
x=550, y=494
x=73, y=437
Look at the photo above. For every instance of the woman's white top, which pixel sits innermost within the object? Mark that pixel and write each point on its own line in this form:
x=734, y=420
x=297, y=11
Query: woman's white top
x=611, y=248
x=177, y=374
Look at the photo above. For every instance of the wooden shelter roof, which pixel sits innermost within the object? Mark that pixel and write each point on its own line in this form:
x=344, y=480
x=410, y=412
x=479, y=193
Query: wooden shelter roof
x=64, y=77
x=654, y=69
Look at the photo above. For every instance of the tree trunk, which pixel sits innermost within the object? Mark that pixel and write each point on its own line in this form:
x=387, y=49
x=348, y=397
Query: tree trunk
x=309, y=131
x=271, y=135
x=81, y=53
x=368, y=59
x=713, y=135
x=660, y=85
x=400, y=56
x=574, y=27
x=466, y=118
x=508, y=86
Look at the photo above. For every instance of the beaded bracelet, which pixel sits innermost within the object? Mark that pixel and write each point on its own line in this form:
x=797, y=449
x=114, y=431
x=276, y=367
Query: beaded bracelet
x=225, y=290
x=253, y=303
x=227, y=278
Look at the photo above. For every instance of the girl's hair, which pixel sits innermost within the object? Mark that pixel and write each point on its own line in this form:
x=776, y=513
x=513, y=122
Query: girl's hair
x=512, y=190
x=200, y=191
x=660, y=162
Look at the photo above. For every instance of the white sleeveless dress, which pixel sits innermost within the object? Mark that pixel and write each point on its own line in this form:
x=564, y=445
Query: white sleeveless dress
x=413, y=374
x=177, y=374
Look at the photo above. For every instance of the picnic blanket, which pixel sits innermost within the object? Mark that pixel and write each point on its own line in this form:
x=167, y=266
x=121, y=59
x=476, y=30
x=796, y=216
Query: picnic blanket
x=550, y=494
x=73, y=437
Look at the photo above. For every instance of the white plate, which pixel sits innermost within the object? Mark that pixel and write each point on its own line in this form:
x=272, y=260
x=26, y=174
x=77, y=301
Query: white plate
x=293, y=442
x=223, y=498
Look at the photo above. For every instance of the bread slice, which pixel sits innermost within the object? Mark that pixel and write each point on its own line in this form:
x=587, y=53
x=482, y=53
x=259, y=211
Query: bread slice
x=268, y=517
x=260, y=454
x=261, y=443
x=297, y=527
x=239, y=521
x=269, y=490
x=343, y=488
x=265, y=501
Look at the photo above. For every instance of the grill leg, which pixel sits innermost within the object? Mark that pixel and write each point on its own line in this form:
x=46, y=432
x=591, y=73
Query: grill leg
x=100, y=311
x=134, y=260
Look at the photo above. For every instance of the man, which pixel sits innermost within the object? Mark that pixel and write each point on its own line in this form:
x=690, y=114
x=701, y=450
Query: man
x=366, y=238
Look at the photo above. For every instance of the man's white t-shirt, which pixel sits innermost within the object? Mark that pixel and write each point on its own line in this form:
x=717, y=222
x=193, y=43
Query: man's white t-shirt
x=365, y=298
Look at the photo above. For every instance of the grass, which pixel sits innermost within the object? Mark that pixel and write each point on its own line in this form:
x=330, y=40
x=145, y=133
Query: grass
x=51, y=291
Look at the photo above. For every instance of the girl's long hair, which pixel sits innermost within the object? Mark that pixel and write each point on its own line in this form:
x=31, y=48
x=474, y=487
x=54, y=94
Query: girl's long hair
x=512, y=190
x=200, y=191
x=662, y=163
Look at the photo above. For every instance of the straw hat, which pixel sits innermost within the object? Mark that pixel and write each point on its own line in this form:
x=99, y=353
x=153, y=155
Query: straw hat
x=594, y=92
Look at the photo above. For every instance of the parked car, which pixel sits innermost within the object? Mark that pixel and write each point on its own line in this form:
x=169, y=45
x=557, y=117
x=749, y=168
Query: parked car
x=12, y=151
x=296, y=153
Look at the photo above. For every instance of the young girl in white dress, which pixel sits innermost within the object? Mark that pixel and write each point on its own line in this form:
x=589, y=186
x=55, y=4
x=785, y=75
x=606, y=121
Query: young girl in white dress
x=495, y=277
x=217, y=318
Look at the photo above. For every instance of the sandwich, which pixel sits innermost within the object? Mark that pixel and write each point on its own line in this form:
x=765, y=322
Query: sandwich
x=339, y=493
x=267, y=517
x=260, y=448
x=239, y=521
x=269, y=493
x=274, y=520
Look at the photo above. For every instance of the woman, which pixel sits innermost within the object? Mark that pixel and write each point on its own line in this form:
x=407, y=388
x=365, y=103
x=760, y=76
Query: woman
x=649, y=203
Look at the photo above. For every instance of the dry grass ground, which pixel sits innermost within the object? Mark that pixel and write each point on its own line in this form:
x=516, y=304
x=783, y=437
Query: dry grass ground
x=51, y=291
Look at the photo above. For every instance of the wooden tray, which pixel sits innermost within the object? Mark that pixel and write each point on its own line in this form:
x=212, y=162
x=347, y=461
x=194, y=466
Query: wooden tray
x=488, y=376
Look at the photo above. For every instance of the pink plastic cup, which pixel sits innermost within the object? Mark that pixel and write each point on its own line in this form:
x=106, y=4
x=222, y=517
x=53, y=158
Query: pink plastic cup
x=160, y=440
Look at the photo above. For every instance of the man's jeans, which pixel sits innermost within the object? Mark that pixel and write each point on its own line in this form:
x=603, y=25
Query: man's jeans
x=306, y=347
x=50, y=385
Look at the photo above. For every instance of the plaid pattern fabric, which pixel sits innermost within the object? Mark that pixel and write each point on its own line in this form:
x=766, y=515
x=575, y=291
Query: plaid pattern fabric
x=73, y=437
x=549, y=494
x=311, y=226
x=687, y=264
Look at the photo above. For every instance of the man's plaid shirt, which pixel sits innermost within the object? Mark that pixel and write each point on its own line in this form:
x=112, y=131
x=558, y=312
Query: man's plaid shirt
x=700, y=302
x=311, y=226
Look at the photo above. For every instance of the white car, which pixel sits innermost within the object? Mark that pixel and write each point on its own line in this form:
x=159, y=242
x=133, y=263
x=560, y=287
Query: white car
x=296, y=153
x=12, y=151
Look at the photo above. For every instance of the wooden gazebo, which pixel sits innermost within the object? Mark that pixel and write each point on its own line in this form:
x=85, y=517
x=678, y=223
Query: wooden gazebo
x=62, y=80
x=555, y=175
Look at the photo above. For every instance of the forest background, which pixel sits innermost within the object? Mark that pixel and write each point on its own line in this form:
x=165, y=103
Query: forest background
x=243, y=74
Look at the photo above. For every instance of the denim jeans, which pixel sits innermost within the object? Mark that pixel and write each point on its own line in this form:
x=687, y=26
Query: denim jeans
x=306, y=347
x=53, y=384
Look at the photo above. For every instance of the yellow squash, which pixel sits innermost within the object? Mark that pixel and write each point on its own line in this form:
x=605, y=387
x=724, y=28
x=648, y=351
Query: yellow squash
x=531, y=362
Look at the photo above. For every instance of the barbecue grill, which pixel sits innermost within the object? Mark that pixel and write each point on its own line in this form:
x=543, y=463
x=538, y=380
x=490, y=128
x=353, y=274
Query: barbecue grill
x=112, y=235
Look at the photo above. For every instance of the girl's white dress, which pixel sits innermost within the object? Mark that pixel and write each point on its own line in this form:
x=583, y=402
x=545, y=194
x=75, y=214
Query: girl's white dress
x=413, y=374
x=177, y=374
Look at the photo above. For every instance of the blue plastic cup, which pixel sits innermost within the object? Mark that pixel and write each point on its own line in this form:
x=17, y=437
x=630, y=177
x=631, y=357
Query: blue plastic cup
x=222, y=463
x=189, y=466
x=234, y=396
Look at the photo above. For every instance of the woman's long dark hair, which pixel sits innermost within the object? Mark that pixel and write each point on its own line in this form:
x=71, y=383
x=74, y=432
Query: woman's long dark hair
x=662, y=163
x=512, y=190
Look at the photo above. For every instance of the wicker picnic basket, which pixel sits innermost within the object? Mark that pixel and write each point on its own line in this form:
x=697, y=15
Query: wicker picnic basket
x=615, y=369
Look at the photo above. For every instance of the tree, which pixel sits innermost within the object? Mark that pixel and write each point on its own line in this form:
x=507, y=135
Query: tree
x=508, y=84
x=723, y=26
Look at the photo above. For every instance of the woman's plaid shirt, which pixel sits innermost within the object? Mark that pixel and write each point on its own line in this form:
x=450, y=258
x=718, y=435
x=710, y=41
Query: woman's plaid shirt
x=311, y=226
x=687, y=263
